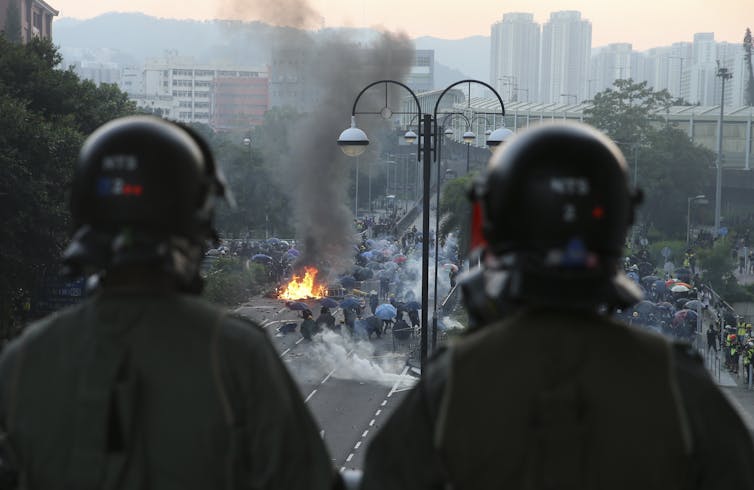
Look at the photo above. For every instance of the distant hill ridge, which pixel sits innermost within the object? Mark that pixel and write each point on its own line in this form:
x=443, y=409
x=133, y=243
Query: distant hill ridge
x=134, y=37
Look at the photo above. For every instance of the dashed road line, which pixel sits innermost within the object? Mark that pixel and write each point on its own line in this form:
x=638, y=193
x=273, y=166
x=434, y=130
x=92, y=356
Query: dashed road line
x=325, y=378
x=371, y=423
x=285, y=352
x=358, y=445
x=395, y=385
x=365, y=434
x=349, y=458
x=377, y=413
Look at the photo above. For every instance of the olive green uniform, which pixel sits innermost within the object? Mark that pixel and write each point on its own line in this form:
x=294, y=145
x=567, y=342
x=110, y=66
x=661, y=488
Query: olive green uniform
x=155, y=390
x=567, y=400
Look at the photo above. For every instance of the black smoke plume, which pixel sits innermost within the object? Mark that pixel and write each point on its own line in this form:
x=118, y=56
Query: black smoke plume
x=329, y=69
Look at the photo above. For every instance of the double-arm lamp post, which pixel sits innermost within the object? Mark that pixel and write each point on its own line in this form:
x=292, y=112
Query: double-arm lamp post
x=353, y=142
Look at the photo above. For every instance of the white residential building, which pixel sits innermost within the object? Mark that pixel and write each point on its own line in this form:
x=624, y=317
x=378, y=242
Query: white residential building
x=617, y=61
x=566, y=50
x=514, y=57
x=189, y=84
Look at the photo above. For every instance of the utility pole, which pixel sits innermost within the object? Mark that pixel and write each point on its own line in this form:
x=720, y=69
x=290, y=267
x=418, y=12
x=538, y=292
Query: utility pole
x=724, y=75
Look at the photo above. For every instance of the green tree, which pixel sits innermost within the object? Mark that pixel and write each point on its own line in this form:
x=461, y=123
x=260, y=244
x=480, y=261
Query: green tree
x=671, y=169
x=666, y=164
x=45, y=114
x=455, y=212
x=748, y=49
x=624, y=111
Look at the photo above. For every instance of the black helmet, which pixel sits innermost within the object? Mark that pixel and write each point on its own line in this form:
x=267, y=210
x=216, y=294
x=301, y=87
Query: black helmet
x=147, y=173
x=143, y=187
x=557, y=206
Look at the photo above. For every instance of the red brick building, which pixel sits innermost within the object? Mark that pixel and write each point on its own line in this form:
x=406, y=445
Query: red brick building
x=238, y=102
x=20, y=20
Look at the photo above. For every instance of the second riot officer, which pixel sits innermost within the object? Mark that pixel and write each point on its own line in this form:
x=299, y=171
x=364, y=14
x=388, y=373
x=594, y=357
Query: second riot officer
x=558, y=394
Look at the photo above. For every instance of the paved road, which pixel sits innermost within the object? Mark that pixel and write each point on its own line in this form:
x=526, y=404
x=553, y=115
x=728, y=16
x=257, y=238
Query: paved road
x=350, y=387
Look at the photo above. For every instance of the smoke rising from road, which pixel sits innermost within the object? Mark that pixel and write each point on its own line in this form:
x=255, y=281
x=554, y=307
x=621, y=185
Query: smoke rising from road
x=327, y=71
x=353, y=359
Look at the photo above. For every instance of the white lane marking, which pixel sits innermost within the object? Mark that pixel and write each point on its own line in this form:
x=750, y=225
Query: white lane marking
x=371, y=423
x=342, y=469
x=349, y=458
x=384, y=402
x=310, y=395
x=358, y=445
x=299, y=340
x=365, y=433
x=395, y=385
x=377, y=413
x=328, y=376
x=285, y=352
x=322, y=433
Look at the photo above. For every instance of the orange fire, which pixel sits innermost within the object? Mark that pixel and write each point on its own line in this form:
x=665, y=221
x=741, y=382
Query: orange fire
x=304, y=287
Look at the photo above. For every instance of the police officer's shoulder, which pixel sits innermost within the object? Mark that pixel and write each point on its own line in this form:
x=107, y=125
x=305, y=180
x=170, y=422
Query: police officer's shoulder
x=53, y=326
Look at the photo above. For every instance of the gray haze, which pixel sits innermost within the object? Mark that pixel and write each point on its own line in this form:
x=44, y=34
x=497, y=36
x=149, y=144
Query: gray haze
x=332, y=69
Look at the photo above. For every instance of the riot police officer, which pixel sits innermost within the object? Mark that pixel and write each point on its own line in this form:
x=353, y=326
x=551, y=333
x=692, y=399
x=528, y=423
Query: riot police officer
x=144, y=385
x=590, y=404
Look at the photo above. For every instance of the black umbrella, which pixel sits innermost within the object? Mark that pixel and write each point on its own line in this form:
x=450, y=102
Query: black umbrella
x=694, y=304
x=297, y=306
x=348, y=282
x=261, y=259
x=644, y=307
x=328, y=302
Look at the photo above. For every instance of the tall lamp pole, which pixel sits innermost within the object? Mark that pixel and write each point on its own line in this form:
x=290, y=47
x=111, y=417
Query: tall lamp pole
x=724, y=75
x=702, y=199
x=353, y=142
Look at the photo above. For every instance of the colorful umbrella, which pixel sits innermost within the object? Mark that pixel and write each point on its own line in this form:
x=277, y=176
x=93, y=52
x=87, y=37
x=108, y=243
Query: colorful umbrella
x=386, y=312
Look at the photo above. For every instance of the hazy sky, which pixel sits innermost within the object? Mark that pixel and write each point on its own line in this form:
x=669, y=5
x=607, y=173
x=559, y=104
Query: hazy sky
x=644, y=23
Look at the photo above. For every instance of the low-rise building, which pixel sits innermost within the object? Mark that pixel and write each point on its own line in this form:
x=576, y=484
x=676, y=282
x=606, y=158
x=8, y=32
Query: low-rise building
x=21, y=20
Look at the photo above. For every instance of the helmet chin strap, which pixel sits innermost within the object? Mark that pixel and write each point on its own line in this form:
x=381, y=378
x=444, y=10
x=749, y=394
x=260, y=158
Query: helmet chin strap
x=93, y=251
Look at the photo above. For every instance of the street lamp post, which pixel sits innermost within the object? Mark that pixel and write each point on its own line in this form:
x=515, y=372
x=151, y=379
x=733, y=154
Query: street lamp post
x=702, y=199
x=353, y=140
x=724, y=75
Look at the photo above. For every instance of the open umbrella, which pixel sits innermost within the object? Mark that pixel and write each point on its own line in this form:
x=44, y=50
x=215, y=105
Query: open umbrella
x=297, y=306
x=293, y=251
x=399, y=259
x=680, y=288
x=347, y=282
x=386, y=312
x=694, y=305
x=649, y=280
x=328, y=302
x=261, y=259
x=684, y=316
x=349, y=302
x=644, y=307
x=451, y=267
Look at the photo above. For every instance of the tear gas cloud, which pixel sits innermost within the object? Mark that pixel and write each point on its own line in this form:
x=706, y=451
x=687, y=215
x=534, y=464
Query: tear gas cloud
x=351, y=359
x=329, y=70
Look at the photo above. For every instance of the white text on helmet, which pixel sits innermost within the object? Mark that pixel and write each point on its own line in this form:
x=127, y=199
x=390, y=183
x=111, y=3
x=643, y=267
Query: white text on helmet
x=571, y=186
